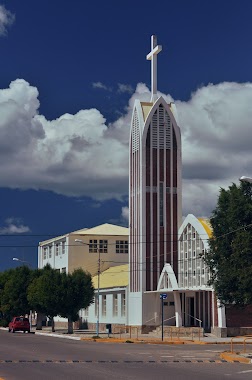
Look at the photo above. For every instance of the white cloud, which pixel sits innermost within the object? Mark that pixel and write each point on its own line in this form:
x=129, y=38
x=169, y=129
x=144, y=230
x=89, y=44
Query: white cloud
x=13, y=226
x=6, y=19
x=81, y=155
x=216, y=134
x=122, y=88
x=125, y=213
x=101, y=85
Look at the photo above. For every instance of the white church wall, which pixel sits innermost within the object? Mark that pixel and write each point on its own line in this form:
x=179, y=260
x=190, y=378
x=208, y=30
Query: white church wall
x=193, y=242
x=135, y=300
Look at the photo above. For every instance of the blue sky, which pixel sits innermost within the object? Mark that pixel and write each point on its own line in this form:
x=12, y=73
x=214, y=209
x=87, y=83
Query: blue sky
x=70, y=72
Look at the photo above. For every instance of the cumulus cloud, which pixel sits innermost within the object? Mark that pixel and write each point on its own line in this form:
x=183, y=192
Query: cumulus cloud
x=122, y=88
x=72, y=155
x=6, y=19
x=13, y=226
x=216, y=133
x=81, y=155
x=125, y=213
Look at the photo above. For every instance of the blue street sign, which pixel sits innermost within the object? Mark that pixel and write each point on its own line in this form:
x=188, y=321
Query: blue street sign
x=163, y=296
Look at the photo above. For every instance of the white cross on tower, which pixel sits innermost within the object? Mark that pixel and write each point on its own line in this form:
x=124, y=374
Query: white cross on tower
x=155, y=49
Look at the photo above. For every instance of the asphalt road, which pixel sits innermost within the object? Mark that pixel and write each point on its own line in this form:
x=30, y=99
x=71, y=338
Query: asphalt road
x=28, y=356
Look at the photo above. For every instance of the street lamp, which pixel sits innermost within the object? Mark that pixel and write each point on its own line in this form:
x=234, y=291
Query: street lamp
x=246, y=179
x=21, y=261
x=98, y=288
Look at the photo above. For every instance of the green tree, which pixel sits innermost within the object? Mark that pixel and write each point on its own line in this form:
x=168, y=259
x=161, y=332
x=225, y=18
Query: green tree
x=230, y=254
x=45, y=292
x=13, y=291
x=78, y=293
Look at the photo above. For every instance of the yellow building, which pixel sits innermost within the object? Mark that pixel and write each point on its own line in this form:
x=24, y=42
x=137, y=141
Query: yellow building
x=84, y=248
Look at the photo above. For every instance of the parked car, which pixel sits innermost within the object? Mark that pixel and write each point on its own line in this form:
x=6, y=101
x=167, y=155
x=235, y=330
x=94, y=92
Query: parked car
x=19, y=324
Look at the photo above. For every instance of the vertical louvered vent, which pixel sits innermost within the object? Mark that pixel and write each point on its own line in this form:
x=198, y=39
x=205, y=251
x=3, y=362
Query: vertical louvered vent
x=161, y=129
x=154, y=130
x=167, y=123
x=135, y=133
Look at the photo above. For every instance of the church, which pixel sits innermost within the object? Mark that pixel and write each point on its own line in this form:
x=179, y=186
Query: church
x=166, y=256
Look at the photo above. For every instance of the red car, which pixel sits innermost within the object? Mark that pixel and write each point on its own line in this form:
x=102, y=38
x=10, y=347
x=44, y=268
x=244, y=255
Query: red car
x=19, y=324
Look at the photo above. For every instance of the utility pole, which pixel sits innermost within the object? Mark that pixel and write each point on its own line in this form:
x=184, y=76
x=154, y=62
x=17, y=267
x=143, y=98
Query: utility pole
x=98, y=293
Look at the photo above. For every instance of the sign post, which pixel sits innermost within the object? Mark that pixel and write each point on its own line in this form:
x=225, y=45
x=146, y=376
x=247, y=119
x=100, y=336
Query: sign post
x=163, y=296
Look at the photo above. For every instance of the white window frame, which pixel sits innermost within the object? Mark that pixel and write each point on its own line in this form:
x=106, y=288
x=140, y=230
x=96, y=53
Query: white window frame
x=50, y=252
x=104, y=305
x=115, y=305
x=123, y=304
x=44, y=253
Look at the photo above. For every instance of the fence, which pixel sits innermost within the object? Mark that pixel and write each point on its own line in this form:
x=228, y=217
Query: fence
x=170, y=333
x=246, y=338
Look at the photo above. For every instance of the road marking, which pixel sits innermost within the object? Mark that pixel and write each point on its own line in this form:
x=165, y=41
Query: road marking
x=188, y=356
x=214, y=351
x=58, y=361
x=167, y=356
x=250, y=370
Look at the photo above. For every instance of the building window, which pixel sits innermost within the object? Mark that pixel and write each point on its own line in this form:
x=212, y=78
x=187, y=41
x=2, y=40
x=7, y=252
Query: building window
x=123, y=305
x=93, y=246
x=98, y=246
x=161, y=204
x=115, y=305
x=57, y=249
x=104, y=306
x=85, y=312
x=45, y=253
x=122, y=246
x=63, y=247
x=103, y=246
x=63, y=270
x=50, y=251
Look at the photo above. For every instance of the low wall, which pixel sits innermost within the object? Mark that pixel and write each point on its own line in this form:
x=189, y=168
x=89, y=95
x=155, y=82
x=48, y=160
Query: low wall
x=219, y=332
x=239, y=331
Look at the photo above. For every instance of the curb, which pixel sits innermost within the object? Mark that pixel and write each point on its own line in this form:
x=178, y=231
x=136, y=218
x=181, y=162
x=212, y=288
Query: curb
x=49, y=334
x=229, y=357
x=139, y=341
x=59, y=336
